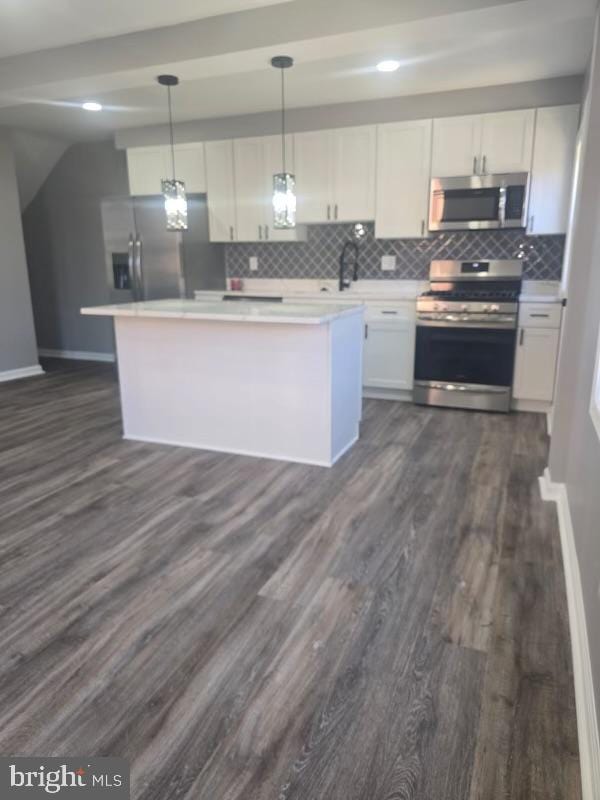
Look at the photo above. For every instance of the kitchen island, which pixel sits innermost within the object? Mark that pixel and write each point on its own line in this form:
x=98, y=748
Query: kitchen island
x=274, y=380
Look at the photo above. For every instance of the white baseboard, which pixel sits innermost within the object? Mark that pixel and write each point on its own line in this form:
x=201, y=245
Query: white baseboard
x=22, y=372
x=536, y=406
x=587, y=721
x=77, y=355
x=401, y=395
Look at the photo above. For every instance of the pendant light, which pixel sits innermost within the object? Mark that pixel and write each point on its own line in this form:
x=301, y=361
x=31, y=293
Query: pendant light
x=172, y=189
x=284, y=183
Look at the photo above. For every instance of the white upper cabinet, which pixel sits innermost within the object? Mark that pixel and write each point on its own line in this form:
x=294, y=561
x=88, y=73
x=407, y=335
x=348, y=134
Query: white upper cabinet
x=456, y=146
x=220, y=185
x=552, y=172
x=190, y=167
x=249, y=171
x=403, y=171
x=507, y=141
x=335, y=174
x=148, y=166
x=483, y=143
x=354, y=157
x=314, y=176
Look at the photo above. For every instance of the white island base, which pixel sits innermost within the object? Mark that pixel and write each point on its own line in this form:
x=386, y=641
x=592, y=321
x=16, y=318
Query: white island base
x=270, y=387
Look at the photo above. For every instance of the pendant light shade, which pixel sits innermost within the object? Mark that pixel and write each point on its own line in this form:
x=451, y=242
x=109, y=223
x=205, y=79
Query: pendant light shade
x=173, y=190
x=284, y=183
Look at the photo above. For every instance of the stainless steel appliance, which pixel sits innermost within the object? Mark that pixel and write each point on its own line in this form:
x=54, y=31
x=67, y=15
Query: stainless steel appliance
x=145, y=261
x=479, y=202
x=466, y=335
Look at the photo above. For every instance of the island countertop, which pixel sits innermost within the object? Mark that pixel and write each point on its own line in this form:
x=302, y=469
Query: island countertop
x=230, y=311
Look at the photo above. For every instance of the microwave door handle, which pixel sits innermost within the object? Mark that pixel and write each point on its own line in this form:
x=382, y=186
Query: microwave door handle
x=502, y=206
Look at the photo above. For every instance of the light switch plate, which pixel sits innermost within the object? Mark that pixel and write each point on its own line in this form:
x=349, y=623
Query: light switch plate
x=253, y=263
x=388, y=263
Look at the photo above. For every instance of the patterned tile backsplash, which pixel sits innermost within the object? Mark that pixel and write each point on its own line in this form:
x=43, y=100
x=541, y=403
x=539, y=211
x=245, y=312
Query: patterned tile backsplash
x=318, y=256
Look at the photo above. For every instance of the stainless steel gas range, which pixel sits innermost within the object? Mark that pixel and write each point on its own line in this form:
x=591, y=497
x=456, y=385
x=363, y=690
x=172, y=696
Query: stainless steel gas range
x=466, y=335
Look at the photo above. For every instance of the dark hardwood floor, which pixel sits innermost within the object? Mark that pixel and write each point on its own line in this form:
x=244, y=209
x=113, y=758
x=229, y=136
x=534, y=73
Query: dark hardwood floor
x=394, y=628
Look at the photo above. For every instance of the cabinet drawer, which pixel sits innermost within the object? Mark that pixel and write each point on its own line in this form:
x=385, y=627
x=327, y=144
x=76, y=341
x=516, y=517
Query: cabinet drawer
x=540, y=315
x=390, y=313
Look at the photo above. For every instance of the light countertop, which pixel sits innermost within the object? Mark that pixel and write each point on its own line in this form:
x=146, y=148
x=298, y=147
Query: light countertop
x=228, y=311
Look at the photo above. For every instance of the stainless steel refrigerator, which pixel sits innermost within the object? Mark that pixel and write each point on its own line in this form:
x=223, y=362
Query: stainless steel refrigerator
x=145, y=261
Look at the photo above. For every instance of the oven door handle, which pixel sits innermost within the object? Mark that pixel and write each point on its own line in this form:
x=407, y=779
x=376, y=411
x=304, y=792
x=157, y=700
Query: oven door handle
x=504, y=325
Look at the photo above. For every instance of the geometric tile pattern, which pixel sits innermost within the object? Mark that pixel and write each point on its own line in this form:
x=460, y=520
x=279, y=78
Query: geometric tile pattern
x=318, y=256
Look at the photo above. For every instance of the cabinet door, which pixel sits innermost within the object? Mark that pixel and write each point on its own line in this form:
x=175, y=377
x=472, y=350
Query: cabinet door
x=403, y=171
x=314, y=176
x=147, y=167
x=190, y=167
x=507, y=141
x=456, y=146
x=389, y=352
x=273, y=164
x=220, y=185
x=552, y=171
x=250, y=200
x=535, y=364
x=354, y=167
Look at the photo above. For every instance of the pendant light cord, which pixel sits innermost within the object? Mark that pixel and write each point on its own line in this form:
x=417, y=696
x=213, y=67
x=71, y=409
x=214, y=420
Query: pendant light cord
x=171, y=130
x=283, y=121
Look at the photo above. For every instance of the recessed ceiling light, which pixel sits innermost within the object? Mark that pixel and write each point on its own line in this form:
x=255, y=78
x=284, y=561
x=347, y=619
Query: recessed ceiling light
x=92, y=106
x=388, y=66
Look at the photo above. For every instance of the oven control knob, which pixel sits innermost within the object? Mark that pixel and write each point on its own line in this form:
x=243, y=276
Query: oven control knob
x=464, y=307
x=486, y=309
x=495, y=308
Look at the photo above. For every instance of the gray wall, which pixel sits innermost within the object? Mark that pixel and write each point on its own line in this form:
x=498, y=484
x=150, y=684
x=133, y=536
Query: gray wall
x=17, y=338
x=575, y=449
x=65, y=247
x=532, y=94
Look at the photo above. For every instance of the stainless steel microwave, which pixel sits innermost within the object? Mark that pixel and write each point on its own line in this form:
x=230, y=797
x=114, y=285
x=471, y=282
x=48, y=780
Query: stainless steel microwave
x=479, y=202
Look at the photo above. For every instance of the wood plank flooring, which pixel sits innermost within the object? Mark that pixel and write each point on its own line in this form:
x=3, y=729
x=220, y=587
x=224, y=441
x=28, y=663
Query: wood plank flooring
x=394, y=628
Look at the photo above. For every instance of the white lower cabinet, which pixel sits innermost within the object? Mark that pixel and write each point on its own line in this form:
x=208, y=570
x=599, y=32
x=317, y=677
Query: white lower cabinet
x=537, y=352
x=389, y=349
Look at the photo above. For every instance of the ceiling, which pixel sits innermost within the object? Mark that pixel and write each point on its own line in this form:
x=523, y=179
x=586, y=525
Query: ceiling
x=223, y=60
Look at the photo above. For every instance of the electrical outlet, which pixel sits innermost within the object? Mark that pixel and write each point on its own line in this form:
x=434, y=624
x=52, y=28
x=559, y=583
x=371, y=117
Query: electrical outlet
x=388, y=263
x=253, y=263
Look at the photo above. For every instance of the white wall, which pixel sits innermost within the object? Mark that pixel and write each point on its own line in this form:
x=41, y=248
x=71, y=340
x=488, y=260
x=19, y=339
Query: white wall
x=18, y=349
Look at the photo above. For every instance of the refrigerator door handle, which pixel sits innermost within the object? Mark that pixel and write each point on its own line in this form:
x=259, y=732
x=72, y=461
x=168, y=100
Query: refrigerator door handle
x=130, y=267
x=138, y=267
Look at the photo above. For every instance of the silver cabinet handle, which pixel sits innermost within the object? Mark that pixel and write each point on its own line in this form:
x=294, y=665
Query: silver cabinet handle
x=138, y=267
x=335, y=211
x=531, y=223
x=231, y=232
x=390, y=312
x=521, y=337
x=328, y=211
x=366, y=331
x=132, y=277
x=542, y=316
x=266, y=231
x=474, y=165
x=484, y=166
x=260, y=231
x=422, y=227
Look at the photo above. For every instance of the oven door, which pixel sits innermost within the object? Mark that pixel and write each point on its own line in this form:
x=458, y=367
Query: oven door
x=466, y=366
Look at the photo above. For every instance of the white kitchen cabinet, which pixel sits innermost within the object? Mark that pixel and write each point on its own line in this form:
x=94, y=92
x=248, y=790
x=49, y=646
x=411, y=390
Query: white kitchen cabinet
x=507, y=141
x=335, y=174
x=354, y=160
x=256, y=161
x=148, y=166
x=249, y=169
x=456, y=146
x=403, y=173
x=479, y=144
x=552, y=171
x=389, y=348
x=220, y=185
x=314, y=176
x=537, y=352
